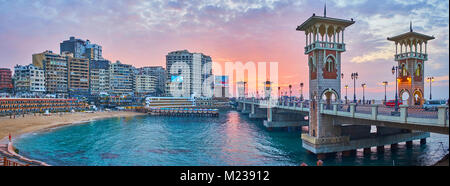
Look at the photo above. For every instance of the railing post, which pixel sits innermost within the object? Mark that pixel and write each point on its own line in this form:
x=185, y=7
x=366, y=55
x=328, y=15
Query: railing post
x=374, y=111
x=352, y=109
x=403, y=113
x=442, y=115
x=335, y=105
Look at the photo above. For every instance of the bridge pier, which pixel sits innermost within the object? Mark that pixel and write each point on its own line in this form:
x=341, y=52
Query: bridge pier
x=409, y=144
x=423, y=141
x=380, y=149
x=394, y=146
x=367, y=150
x=257, y=113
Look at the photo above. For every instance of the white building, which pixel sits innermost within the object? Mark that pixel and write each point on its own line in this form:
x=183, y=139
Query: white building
x=145, y=84
x=188, y=72
x=29, y=79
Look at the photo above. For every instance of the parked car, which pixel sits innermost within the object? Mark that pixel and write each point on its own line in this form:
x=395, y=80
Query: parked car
x=433, y=104
x=391, y=103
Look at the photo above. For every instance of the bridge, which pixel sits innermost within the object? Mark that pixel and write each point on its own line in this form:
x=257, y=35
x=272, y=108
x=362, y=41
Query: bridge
x=349, y=123
x=337, y=127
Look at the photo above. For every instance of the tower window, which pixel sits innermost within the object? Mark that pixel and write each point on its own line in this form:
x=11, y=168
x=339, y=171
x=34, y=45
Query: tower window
x=329, y=65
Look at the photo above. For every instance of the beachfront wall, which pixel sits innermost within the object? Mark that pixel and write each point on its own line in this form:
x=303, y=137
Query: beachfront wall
x=24, y=105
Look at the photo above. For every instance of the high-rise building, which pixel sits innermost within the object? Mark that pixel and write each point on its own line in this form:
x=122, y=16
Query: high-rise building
x=78, y=79
x=29, y=80
x=121, y=79
x=6, y=85
x=160, y=73
x=144, y=84
x=81, y=49
x=56, y=72
x=188, y=71
x=99, y=77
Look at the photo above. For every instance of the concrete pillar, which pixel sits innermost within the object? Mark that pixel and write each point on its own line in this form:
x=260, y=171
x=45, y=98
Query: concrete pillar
x=374, y=111
x=442, y=115
x=409, y=144
x=423, y=141
x=367, y=150
x=321, y=107
x=335, y=105
x=394, y=146
x=253, y=109
x=380, y=149
x=269, y=114
x=403, y=113
x=352, y=109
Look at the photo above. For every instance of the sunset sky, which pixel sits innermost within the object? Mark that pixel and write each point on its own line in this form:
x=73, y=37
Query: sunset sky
x=141, y=33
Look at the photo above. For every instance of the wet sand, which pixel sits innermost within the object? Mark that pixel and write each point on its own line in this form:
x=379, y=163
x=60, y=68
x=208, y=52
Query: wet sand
x=30, y=123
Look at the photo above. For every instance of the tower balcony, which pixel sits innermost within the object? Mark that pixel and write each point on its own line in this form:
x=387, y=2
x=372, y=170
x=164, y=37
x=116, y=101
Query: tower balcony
x=413, y=55
x=325, y=45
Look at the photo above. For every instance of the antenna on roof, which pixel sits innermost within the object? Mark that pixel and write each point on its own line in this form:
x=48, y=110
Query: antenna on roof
x=325, y=9
x=410, y=26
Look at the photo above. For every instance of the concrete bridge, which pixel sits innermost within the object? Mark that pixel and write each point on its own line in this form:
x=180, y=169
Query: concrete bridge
x=347, y=127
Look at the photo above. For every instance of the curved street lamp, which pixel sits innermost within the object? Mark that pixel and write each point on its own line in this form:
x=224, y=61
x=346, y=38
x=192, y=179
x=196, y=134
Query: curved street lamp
x=301, y=91
x=364, y=98
x=430, y=79
x=385, y=83
x=395, y=71
x=354, y=77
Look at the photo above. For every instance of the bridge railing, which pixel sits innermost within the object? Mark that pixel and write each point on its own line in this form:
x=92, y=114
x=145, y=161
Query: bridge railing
x=405, y=114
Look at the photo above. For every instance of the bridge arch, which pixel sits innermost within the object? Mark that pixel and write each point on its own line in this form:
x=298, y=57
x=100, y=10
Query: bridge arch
x=418, y=97
x=404, y=95
x=329, y=95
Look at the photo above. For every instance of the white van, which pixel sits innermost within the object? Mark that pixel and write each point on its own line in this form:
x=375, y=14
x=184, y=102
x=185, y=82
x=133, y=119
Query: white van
x=432, y=104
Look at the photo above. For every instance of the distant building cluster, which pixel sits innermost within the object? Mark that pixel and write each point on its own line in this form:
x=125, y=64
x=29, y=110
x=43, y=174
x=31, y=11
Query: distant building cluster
x=80, y=71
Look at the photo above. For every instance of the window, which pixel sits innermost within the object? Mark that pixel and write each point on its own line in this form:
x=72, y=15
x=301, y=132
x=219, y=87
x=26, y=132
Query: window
x=329, y=65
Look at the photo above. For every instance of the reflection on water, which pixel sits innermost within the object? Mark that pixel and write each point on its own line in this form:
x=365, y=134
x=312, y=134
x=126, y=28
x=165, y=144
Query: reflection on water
x=230, y=139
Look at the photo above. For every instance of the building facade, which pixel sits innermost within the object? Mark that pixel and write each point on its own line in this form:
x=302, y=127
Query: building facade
x=55, y=70
x=29, y=80
x=121, y=79
x=161, y=76
x=99, y=77
x=81, y=49
x=145, y=84
x=6, y=85
x=25, y=105
x=186, y=73
x=78, y=79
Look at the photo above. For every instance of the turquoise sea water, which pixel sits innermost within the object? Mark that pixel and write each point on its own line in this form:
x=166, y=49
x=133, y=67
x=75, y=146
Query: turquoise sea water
x=230, y=139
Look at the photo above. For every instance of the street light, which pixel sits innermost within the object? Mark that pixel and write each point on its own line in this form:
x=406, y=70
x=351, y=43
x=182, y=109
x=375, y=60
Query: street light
x=290, y=93
x=279, y=91
x=346, y=87
x=268, y=90
x=354, y=77
x=364, y=98
x=395, y=71
x=430, y=79
x=301, y=91
x=385, y=83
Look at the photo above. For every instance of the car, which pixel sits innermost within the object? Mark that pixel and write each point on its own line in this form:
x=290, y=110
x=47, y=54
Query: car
x=433, y=104
x=391, y=103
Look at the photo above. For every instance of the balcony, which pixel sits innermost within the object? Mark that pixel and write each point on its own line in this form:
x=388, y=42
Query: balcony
x=325, y=45
x=412, y=55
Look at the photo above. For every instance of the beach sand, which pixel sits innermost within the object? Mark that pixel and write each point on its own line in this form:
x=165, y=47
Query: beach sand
x=29, y=123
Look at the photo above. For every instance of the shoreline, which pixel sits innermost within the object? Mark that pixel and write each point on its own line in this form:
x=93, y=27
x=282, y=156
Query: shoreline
x=30, y=123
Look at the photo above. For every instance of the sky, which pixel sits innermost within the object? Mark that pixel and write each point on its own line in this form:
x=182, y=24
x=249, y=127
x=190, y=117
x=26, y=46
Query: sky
x=142, y=32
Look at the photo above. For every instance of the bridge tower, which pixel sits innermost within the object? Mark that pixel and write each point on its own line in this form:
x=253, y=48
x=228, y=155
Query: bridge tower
x=324, y=46
x=410, y=55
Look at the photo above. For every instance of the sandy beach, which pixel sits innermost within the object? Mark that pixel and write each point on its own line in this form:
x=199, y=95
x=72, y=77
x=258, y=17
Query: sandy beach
x=29, y=123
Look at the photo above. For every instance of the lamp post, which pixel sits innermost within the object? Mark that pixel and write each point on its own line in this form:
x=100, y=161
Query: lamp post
x=267, y=89
x=385, y=83
x=279, y=91
x=290, y=93
x=395, y=71
x=354, y=77
x=301, y=91
x=346, y=87
x=430, y=79
x=364, y=98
